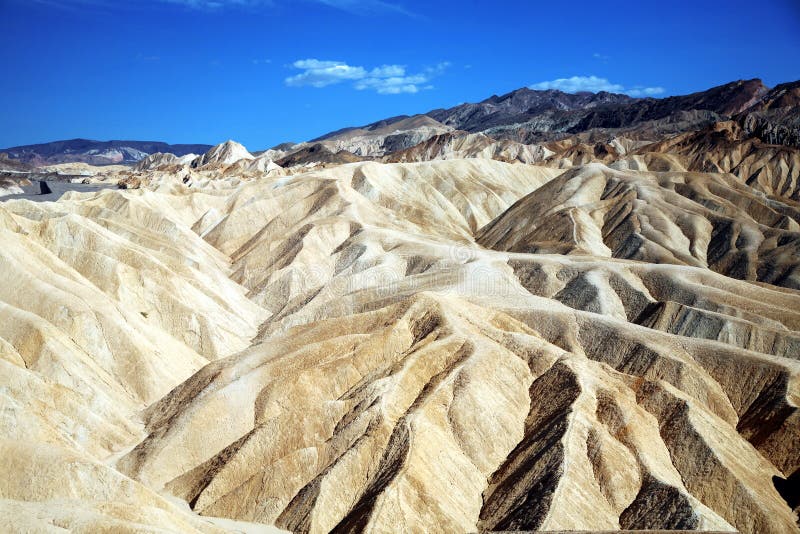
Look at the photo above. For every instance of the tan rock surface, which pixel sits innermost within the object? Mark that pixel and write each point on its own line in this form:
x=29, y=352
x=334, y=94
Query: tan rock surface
x=724, y=147
x=460, y=145
x=443, y=346
x=703, y=220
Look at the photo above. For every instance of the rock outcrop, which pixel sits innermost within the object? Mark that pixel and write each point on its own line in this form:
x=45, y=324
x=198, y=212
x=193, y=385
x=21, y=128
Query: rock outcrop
x=775, y=119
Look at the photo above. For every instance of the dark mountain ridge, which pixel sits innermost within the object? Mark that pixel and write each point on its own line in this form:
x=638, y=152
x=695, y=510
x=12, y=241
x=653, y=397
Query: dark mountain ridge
x=724, y=100
x=527, y=115
x=519, y=106
x=775, y=119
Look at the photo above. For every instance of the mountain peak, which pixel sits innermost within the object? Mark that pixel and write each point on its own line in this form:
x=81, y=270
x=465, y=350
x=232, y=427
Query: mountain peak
x=225, y=153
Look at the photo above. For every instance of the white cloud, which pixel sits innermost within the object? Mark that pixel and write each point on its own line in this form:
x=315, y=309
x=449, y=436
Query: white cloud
x=393, y=85
x=594, y=84
x=645, y=91
x=318, y=73
x=580, y=83
x=385, y=71
x=385, y=80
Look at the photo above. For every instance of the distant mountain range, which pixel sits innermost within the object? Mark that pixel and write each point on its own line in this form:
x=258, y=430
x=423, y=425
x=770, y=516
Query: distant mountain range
x=524, y=116
x=96, y=152
x=530, y=116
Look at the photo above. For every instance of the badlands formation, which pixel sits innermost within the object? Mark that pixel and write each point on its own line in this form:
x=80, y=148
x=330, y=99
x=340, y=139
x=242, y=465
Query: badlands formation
x=465, y=335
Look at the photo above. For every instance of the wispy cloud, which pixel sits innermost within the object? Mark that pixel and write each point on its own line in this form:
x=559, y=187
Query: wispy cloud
x=72, y=4
x=366, y=7
x=210, y=5
x=197, y=5
x=639, y=90
x=385, y=80
x=357, y=7
x=595, y=84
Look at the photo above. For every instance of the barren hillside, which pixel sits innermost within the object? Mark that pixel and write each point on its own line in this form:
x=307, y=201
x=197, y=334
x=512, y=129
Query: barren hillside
x=441, y=346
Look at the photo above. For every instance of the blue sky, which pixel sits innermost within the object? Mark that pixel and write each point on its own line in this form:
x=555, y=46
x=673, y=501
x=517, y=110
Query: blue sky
x=267, y=71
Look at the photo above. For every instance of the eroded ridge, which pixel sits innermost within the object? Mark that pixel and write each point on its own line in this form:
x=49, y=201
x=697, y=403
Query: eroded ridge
x=449, y=346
